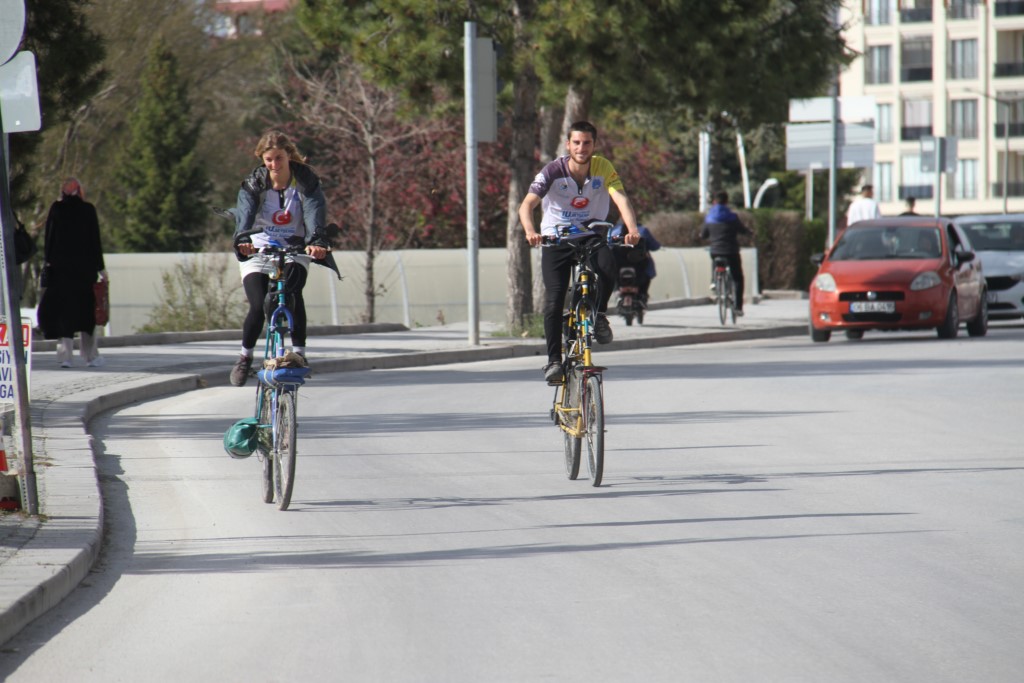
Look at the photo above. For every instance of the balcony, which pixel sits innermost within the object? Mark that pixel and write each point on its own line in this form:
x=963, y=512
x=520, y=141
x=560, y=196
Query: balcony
x=916, y=191
x=916, y=74
x=1016, y=129
x=1009, y=8
x=910, y=133
x=1009, y=69
x=916, y=15
x=1014, y=189
x=962, y=9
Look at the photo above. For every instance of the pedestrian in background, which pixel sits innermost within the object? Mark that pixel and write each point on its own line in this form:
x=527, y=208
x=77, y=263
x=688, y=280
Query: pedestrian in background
x=72, y=263
x=910, y=202
x=864, y=207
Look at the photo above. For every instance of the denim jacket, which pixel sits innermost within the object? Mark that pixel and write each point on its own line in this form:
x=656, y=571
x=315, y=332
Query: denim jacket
x=314, y=208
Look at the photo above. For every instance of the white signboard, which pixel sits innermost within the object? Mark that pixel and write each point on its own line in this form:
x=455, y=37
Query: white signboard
x=19, y=95
x=7, y=376
x=851, y=109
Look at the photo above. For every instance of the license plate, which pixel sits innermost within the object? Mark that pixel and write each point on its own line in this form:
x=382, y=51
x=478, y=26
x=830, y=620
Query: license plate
x=872, y=307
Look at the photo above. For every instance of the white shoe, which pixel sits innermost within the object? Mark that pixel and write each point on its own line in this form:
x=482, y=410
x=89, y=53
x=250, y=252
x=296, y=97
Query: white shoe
x=65, y=364
x=97, y=362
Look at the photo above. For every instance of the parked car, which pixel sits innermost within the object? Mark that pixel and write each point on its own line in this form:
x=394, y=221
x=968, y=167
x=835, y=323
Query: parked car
x=999, y=242
x=905, y=273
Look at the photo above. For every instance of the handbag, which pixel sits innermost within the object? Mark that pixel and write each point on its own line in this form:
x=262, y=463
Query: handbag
x=101, y=290
x=24, y=244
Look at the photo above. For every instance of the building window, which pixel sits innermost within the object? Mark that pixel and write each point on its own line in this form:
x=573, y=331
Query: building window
x=963, y=119
x=883, y=181
x=878, y=63
x=916, y=60
x=964, y=183
x=912, y=11
x=913, y=182
x=917, y=119
x=879, y=12
x=883, y=125
x=963, y=59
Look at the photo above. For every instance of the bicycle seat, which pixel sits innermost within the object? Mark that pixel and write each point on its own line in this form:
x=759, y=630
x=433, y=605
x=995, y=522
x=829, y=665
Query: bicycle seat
x=721, y=261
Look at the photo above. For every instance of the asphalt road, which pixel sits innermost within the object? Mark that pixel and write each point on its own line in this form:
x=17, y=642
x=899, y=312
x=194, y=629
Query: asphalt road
x=773, y=511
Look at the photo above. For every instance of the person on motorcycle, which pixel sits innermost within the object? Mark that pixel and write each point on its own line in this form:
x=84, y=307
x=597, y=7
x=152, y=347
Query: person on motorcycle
x=723, y=228
x=638, y=257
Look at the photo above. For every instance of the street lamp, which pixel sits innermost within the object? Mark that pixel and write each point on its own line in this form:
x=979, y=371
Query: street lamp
x=1006, y=137
x=771, y=182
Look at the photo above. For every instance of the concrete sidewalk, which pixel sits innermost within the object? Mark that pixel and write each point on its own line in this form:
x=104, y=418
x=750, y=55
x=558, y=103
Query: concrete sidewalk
x=43, y=558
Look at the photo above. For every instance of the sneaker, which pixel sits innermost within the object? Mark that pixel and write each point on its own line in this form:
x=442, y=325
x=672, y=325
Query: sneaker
x=553, y=372
x=739, y=312
x=240, y=372
x=712, y=287
x=602, y=329
x=65, y=364
x=97, y=362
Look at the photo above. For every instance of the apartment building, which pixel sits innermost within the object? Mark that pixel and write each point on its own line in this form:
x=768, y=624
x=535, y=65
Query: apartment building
x=944, y=68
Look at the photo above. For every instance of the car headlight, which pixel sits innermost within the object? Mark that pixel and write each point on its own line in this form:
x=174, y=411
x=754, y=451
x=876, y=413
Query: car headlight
x=825, y=283
x=925, y=280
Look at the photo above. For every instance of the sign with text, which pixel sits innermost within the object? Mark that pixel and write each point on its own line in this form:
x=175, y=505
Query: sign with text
x=7, y=370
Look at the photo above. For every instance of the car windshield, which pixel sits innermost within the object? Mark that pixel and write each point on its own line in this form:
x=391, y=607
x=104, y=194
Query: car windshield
x=887, y=242
x=1002, y=236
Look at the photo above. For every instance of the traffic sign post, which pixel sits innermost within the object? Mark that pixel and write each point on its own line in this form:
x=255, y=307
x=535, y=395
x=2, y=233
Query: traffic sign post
x=12, y=27
x=938, y=156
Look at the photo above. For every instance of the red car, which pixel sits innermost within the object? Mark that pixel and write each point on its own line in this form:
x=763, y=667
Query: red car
x=906, y=273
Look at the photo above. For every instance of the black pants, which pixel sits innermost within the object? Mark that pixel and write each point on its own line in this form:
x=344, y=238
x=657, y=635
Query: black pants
x=736, y=268
x=256, y=286
x=556, y=270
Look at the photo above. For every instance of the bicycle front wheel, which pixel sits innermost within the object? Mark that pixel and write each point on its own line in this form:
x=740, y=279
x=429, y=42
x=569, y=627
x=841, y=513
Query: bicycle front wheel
x=570, y=418
x=720, y=296
x=284, y=447
x=593, y=406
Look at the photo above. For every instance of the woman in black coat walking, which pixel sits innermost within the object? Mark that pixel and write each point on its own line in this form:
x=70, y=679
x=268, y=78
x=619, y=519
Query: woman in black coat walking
x=72, y=263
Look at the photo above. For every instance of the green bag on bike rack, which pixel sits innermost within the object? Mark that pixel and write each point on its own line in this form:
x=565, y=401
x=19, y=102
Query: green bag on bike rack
x=240, y=438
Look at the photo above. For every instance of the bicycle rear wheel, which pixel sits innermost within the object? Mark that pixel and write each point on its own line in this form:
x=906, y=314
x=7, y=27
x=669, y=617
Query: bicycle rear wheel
x=284, y=447
x=570, y=406
x=732, y=299
x=593, y=405
x=264, y=443
x=720, y=296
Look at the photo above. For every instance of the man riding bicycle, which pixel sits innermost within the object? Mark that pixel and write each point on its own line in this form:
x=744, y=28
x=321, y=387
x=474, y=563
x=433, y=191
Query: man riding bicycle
x=723, y=228
x=574, y=189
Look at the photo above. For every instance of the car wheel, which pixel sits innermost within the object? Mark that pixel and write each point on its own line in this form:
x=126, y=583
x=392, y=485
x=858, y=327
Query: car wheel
x=979, y=326
x=855, y=334
x=951, y=325
x=819, y=335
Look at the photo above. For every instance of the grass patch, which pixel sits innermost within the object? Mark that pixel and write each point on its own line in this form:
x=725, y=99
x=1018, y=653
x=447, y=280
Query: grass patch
x=534, y=328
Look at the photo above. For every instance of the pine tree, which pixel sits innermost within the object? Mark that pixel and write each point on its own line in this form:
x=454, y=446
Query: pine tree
x=164, y=205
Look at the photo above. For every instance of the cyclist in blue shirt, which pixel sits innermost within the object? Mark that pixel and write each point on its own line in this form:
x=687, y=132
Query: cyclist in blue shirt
x=723, y=228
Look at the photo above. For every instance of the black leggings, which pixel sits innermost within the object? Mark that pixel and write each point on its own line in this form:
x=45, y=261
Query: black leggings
x=556, y=270
x=256, y=286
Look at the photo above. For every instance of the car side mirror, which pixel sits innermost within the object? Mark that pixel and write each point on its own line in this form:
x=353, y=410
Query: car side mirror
x=964, y=256
x=817, y=259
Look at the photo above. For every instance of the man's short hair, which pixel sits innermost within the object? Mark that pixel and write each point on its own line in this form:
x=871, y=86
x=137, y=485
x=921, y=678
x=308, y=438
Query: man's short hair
x=722, y=197
x=583, y=127
x=866, y=188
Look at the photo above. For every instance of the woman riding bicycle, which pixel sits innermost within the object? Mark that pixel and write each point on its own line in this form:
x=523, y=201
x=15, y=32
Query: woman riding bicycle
x=279, y=201
x=574, y=189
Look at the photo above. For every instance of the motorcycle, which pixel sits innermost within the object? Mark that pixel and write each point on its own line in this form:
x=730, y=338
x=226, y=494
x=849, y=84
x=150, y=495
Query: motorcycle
x=630, y=303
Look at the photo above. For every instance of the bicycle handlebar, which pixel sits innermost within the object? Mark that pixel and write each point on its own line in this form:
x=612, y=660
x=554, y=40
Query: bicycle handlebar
x=584, y=234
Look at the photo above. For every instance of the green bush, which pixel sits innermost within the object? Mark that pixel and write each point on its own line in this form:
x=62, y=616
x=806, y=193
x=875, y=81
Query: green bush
x=201, y=293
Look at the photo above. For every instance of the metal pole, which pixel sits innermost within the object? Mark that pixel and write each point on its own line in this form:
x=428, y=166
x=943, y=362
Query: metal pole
x=1006, y=156
x=472, y=212
x=833, y=163
x=12, y=311
x=938, y=176
x=743, y=169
